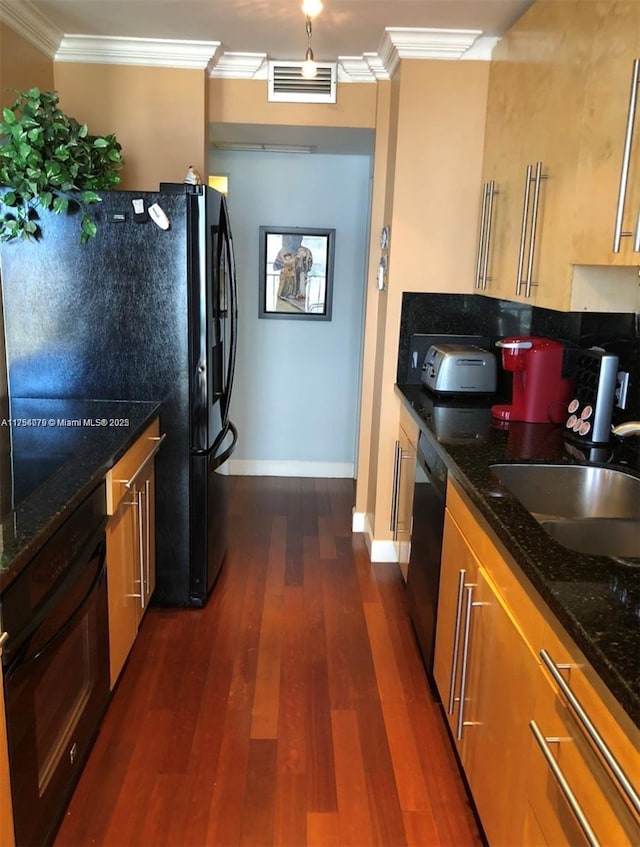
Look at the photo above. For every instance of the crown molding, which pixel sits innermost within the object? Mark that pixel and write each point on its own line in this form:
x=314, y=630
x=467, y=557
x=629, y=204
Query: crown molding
x=241, y=66
x=150, y=52
x=424, y=43
x=32, y=25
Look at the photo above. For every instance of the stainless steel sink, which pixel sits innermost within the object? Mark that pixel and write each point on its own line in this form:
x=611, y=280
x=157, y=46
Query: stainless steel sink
x=591, y=510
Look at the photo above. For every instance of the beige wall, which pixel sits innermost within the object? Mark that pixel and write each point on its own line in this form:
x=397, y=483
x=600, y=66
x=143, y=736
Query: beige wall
x=436, y=126
x=22, y=66
x=157, y=114
x=245, y=101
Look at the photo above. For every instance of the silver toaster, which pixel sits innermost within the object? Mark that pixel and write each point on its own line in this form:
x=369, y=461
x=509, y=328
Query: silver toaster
x=459, y=369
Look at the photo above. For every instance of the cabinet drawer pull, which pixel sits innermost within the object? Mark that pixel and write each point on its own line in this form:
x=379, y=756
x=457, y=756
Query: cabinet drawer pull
x=456, y=643
x=129, y=483
x=140, y=495
x=465, y=659
x=626, y=158
x=4, y=637
x=564, y=786
x=620, y=776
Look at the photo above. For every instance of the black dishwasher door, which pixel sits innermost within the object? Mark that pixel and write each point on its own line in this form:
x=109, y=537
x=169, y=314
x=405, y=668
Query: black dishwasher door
x=423, y=575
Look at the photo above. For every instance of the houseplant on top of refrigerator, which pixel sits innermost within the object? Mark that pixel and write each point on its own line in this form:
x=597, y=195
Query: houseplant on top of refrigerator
x=49, y=159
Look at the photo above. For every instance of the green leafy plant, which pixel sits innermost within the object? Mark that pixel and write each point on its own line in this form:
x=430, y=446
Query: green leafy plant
x=49, y=160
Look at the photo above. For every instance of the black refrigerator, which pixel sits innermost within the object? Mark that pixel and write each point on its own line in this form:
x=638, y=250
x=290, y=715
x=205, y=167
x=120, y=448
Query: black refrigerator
x=146, y=310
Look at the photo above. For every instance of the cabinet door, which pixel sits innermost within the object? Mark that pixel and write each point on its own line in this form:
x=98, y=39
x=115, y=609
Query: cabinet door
x=6, y=812
x=122, y=582
x=498, y=707
x=602, y=131
x=607, y=814
x=450, y=667
x=406, y=480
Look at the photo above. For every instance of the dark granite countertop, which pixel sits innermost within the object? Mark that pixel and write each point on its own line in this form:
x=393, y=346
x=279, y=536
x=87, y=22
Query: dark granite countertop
x=596, y=600
x=52, y=454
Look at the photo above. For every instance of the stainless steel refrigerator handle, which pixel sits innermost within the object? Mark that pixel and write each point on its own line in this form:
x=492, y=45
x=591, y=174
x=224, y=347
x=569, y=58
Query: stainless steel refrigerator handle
x=492, y=193
x=626, y=158
x=140, y=546
x=564, y=786
x=534, y=227
x=393, y=526
x=619, y=775
x=480, y=257
x=456, y=642
x=523, y=230
x=465, y=659
x=129, y=483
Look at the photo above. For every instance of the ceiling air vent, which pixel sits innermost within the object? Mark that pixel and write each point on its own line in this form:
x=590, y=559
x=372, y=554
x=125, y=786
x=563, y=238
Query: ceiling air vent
x=287, y=85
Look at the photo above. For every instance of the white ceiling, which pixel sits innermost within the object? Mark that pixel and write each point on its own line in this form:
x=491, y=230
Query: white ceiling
x=274, y=27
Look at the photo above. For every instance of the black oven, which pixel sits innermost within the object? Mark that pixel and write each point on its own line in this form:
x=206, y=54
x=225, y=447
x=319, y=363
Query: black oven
x=56, y=668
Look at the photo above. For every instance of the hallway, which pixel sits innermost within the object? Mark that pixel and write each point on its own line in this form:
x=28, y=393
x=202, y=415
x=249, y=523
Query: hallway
x=293, y=710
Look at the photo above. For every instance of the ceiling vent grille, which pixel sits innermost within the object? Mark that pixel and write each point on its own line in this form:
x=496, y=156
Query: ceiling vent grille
x=287, y=85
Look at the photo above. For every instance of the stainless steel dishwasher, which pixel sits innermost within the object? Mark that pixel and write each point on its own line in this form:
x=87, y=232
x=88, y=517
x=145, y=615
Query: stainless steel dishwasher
x=423, y=575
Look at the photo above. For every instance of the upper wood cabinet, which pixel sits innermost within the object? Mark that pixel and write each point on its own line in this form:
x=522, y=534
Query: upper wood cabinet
x=555, y=136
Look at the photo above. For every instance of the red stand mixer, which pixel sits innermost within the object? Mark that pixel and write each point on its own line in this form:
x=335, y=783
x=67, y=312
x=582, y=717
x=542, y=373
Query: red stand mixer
x=540, y=392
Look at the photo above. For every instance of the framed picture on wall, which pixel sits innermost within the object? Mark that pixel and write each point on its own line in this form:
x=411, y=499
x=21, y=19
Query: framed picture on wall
x=296, y=273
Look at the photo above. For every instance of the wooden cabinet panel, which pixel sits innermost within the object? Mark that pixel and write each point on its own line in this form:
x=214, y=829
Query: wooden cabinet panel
x=130, y=545
x=602, y=131
x=559, y=95
x=7, y=838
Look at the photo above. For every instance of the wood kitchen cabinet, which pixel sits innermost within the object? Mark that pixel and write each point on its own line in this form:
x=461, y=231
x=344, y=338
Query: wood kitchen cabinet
x=485, y=672
x=130, y=544
x=7, y=838
x=403, y=482
x=495, y=639
x=563, y=742
x=557, y=107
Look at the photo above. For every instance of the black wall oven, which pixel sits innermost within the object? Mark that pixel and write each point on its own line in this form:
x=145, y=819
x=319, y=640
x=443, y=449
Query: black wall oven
x=56, y=668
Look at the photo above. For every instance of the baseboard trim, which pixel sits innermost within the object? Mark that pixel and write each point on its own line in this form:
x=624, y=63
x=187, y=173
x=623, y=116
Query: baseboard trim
x=331, y=470
x=379, y=550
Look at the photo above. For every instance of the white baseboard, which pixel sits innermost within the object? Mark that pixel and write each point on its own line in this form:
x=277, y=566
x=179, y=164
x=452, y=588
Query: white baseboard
x=250, y=467
x=379, y=550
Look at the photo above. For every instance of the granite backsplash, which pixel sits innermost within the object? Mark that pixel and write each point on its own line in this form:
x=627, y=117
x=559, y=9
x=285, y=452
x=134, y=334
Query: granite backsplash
x=487, y=317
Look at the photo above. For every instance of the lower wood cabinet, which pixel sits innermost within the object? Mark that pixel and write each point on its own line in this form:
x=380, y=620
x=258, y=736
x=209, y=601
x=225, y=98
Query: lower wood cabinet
x=7, y=838
x=509, y=676
x=130, y=544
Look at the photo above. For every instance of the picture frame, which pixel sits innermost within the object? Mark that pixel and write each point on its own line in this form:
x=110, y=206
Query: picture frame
x=296, y=273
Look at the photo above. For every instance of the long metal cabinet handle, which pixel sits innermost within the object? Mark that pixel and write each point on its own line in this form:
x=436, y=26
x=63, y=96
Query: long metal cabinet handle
x=4, y=637
x=147, y=529
x=626, y=158
x=636, y=240
x=139, y=496
x=613, y=765
x=396, y=487
x=523, y=230
x=481, y=235
x=456, y=642
x=465, y=659
x=564, y=786
x=534, y=227
x=487, y=242
x=129, y=483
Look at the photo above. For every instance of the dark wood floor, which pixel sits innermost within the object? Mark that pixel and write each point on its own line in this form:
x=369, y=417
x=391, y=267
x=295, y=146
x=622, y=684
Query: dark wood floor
x=293, y=710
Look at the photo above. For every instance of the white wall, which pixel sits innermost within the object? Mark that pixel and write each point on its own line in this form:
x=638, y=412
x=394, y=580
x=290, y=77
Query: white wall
x=295, y=400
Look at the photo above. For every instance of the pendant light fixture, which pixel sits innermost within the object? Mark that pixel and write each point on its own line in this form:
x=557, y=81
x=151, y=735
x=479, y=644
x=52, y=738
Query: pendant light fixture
x=312, y=8
x=309, y=67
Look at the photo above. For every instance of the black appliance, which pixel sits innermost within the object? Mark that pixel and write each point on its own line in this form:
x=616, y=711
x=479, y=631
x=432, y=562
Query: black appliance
x=423, y=574
x=146, y=310
x=56, y=668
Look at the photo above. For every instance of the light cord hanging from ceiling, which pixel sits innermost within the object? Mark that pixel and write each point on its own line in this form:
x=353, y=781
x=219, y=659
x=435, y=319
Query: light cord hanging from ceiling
x=309, y=67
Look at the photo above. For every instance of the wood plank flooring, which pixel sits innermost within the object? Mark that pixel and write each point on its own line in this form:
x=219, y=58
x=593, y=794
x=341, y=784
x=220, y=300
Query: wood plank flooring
x=293, y=710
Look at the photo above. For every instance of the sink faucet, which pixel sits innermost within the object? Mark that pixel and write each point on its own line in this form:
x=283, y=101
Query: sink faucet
x=627, y=428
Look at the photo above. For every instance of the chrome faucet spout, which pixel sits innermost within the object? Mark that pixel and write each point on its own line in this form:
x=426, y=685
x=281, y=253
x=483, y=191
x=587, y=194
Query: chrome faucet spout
x=627, y=428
